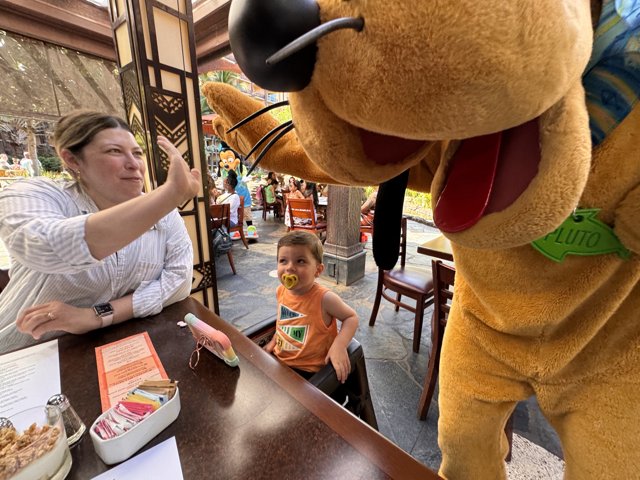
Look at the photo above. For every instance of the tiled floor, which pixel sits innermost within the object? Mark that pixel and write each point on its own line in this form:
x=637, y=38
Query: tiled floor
x=395, y=372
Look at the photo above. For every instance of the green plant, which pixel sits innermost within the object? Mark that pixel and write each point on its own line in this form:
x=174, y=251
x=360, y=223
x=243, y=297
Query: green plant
x=56, y=175
x=51, y=164
x=421, y=199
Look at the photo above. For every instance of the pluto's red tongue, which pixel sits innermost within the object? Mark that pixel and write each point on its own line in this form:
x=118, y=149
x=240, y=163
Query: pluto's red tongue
x=469, y=183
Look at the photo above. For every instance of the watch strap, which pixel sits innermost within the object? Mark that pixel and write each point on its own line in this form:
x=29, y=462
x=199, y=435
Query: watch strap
x=107, y=320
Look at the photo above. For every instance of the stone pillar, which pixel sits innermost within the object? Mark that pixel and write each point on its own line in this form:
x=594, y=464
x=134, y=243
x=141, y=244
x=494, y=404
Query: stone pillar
x=155, y=45
x=344, y=257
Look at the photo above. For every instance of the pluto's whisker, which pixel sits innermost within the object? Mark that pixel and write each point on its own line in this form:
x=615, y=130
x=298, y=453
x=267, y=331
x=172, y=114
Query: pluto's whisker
x=266, y=137
x=286, y=130
x=258, y=113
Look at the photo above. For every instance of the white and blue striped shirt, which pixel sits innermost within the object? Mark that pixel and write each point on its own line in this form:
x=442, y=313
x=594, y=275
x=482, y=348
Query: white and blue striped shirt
x=42, y=224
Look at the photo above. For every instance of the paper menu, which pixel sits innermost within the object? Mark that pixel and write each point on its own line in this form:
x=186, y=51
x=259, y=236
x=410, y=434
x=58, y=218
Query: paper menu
x=160, y=462
x=29, y=377
x=123, y=365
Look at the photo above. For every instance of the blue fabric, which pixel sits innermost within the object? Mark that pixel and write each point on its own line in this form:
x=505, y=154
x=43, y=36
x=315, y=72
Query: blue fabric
x=612, y=77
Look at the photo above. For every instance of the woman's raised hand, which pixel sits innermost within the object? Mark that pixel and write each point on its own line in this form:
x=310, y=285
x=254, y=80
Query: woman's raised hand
x=184, y=183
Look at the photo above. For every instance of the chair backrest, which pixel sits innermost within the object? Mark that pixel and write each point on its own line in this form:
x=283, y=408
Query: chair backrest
x=241, y=210
x=303, y=210
x=220, y=215
x=403, y=241
x=444, y=277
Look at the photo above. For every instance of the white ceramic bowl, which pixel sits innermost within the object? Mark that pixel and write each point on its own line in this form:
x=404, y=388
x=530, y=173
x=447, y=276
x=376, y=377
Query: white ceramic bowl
x=55, y=463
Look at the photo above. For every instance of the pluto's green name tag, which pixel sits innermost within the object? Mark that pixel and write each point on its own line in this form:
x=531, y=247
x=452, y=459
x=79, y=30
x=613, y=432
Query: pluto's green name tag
x=580, y=234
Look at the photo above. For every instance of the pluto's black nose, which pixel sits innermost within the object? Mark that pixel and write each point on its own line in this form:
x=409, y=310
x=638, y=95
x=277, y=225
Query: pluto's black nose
x=259, y=28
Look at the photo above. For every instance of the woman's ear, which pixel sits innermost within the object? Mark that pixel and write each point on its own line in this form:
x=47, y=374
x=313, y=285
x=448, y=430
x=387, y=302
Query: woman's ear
x=70, y=160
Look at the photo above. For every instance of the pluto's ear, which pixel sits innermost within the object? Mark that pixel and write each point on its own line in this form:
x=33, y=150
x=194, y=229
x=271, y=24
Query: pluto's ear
x=387, y=221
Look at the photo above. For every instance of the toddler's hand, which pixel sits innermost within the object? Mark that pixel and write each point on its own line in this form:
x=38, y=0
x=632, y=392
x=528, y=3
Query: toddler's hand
x=340, y=361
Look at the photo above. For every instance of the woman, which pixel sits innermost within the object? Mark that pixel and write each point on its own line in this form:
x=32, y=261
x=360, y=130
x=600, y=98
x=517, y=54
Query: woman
x=271, y=196
x=94, y=250
x=309, y=190
x=231, y=197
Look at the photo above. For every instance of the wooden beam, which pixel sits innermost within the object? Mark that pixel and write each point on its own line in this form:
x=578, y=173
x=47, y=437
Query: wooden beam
x=211, y=31
x=74, y=24
x=85, y=27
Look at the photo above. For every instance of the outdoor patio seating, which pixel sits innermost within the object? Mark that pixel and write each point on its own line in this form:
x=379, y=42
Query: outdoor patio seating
x=267, y=207
x=239, y=227
x=408, y=281
x=303, y=216
x=220, y=217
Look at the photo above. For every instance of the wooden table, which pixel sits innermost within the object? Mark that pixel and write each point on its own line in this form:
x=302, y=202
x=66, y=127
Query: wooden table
x=260, y=420
x=438, y=247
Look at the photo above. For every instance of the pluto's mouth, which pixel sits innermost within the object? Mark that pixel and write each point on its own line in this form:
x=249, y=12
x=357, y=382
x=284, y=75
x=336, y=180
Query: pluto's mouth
x=486, y=175
x=387, y=149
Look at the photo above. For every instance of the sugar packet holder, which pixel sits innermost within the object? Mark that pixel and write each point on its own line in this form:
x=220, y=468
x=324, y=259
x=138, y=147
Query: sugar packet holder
x=123, y=446
x=213, y=340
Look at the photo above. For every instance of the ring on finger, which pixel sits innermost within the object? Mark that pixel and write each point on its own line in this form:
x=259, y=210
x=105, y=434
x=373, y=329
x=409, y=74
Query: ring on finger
x=51, y=316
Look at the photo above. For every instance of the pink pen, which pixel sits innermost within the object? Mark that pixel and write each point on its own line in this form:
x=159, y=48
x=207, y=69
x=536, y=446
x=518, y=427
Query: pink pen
x=220, y=343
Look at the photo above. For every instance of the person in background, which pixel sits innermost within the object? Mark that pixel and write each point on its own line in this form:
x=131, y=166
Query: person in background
x=271, y=196
x=316, y=308
x=309, y=190
x=294, y=192
x=367, y=210
x=229, y=196
x=94, y=250
x=271, y=177
x=27, y=164
x=4, y=162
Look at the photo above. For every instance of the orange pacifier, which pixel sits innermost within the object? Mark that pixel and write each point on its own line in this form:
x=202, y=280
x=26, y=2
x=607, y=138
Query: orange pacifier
x=289, y=280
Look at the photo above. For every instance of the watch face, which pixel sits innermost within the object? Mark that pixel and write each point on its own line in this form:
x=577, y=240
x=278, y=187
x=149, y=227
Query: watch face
x=103, y=309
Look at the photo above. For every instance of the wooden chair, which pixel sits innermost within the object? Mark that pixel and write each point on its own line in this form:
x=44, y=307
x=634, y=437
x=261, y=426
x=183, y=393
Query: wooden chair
x=443, y=280
x=303, y=216
x=411, y=282
x=239, y=228
x=356, y=388
x=4, y=279
x=221, y=217
x=266, y=207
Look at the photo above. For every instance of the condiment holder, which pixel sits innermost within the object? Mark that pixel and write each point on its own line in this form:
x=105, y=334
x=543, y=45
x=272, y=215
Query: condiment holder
x=120, y=448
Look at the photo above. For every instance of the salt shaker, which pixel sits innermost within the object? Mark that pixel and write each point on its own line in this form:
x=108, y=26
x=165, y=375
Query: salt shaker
x=73, y=426
x=6, y=423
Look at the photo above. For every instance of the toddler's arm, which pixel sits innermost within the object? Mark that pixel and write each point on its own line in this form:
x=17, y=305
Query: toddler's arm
x=271, y=345
x=333, y=306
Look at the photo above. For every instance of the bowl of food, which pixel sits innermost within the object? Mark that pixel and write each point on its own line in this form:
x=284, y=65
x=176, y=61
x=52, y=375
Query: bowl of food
x=33, y=445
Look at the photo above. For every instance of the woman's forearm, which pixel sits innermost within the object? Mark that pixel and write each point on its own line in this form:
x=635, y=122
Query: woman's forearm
x=109, y=230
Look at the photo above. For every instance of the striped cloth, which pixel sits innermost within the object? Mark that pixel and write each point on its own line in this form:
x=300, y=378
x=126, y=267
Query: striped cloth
x=612, y=77
x=42, y=225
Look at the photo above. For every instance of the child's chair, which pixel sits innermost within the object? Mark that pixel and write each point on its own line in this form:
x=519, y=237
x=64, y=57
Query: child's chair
x=356, y=388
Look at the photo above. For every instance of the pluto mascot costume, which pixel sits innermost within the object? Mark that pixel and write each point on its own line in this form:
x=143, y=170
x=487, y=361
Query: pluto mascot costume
x=521, y=118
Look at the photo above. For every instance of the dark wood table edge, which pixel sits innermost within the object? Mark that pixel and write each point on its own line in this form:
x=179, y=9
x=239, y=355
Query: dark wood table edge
x=435, y=253
x=358, y=434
